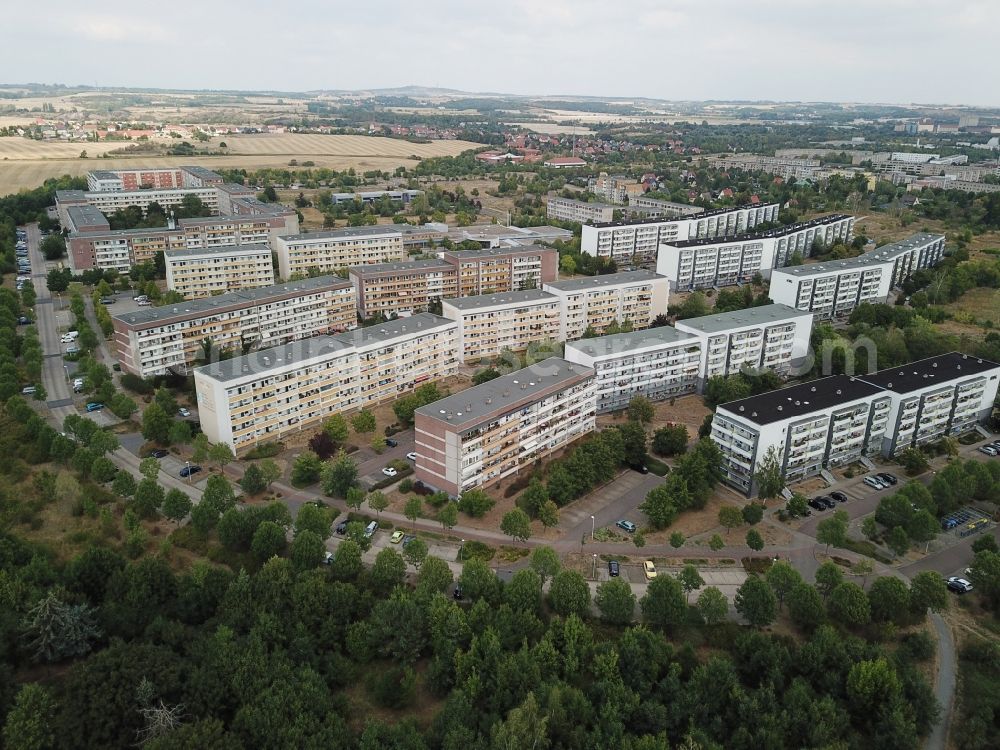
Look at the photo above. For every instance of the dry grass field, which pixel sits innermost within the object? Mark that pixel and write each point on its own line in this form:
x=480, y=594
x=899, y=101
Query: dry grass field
x=25, y=164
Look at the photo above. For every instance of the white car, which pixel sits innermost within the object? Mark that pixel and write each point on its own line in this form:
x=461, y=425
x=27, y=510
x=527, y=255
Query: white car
x=412, y=455
x=28, y=390
x=144, y=303
x=389, y=471
x=183, y=412
x=989, y=450
x=874, y=482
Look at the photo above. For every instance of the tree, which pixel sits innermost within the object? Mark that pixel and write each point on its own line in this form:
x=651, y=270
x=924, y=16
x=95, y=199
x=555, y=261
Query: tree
x=641, y=410
x=690, y=580
x=55, y=630
x=634, y=442
x=252, y=481
x=478, y=581
x=756, y=602
x=545, y=562
x=526, y=726
x=30, y=724
x=176, y=505
x=221, y=454
x=363, y=421
x=872, y=685
x=148, y=498
x=752, y=513
x=180, y=432
x=928, y=591
x=770, y=477
x=805, y=606
x=268, y=541
x=985, y=573
x=548, y=514
x=849, y=605
x=347, y=563
x=712, y=605
x=616, y=602
x=339, y=475
x=163, y=398
x=715, y=543
x=730, y=517
x=156, y=424
x=534, y=497
x=412, y=510
x=516, y=525
x=664, y=603
x=670, y=440
x=307, y=550
x=103, y=470
x=355, y=498
x=199, y=447
x=475, y=503
x=306, y=469
x=448, y=515
x=985, y=543
x=782, y=578
x=898, y=541
x=415, y=552
x=569, y=594
x=889, y=600
x=913, y=461
x=828, y=577
x=315, y=518
x=869, y=527
x=388, y=571
x=660, y=503
x=103, y=442
x=434, y=576
x=754, y=540
x=833, y=530
x=863, y=568
x=677, y=540
x=124, y=484
x=378, y=444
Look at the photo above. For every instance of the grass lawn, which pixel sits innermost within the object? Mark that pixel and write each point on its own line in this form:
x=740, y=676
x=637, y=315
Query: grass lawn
x=982, y=304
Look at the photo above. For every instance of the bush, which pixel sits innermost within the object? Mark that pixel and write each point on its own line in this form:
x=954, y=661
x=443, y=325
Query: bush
x=406, y=485
x=264, y=450
x=475, y=503
x=136, y=384
x=476, y=551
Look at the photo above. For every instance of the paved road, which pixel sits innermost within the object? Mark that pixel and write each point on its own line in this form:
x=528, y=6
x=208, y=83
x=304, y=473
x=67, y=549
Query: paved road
x=944, y=688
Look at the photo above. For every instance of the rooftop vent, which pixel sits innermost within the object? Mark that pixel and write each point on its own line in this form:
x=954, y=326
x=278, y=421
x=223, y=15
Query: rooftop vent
x=743, y=408
x=813, y=389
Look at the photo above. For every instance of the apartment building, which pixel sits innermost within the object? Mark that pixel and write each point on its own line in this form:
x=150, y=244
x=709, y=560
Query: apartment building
x=86, y=219
x=707, y=263
x=567, y=209
x=502, y=269
x=491, y=431
x=800, y=169
x=653, y=208
x=202, y=273
x=658, y=363
x=271, y=393
x=596, y=302
x=834, y=288
x=109, y=201
x=338, y=248
x=770, y=337
x=157, y=340
x=490, y=323
x=834, y=421
x=407, y=287
x=636, y=241
x=612, y=188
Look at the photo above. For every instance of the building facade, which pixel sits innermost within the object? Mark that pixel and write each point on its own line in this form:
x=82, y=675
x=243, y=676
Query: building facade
x=202, y=273
x=659, y=363
x=653, y=208
x=271, y=393
x=328, y=252
x=490, y=323
x=567, y=209
x=157, y=340
x=387, y=288
x=491, y=431
x=502, y=269
x=770, y=337
x=595, y=302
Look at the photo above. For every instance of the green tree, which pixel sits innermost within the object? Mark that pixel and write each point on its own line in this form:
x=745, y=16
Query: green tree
x=754, y=540
x=869, y=527
x=797, y=506
x=782, y=578
x=307, y=550
x=448, y=515
x=478, y=581
x=412, y=510
x=849, y=605
x=928, y=591
x=805, y=607
x=730, y=517
x=664, y=604
x=355, y=498
x=898, y=541
x=715, y=543
x=828, y=577
x=516, y=525
x=156, y=424
x=769, y=476
x=124, y=484
x=306, y=469
x=55, y=630
x=148, y=498
x=339, y=475
x=434, y=576
x=475, y=503
x=176, y=505
x=670, y=440
x=889, y=600
x=388, y=571
x=690, y=580
x=752, y=513
x=415, y=552
x=833, y=530
x=252, y=481
x=569, y=594
x=378, y=502
x=314, y=518
x=363, y=421
x=526, y=726
x=268, y=541
x=221, y=454
x=31, y=724
x=913, y=461
x=641, y=410
x=756, y=602
x=180, y=431
x=336, y=428
x=712, y=605
x=164, y=398
x=616, y=602
x=347, y=562
x=545, y=562
x=548, y=514
x=677, y=540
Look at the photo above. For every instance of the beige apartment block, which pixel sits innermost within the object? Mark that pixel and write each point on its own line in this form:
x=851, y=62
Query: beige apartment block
x=490, y=323
x=285, y=390
x=328, y=252
x=596, y=302
x=491, y=431
x=156, y=340
x=202, y=273
x=408, y=287
x=503, y=269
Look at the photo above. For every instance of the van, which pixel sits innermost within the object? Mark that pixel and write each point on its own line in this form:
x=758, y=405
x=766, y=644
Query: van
x=371, y=528
x=70, y=336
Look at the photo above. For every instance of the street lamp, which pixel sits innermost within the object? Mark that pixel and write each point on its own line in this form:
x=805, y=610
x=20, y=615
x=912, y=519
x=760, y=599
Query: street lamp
x=593, y=528
x=188, y=465
x=594, y=575
x=461, y=551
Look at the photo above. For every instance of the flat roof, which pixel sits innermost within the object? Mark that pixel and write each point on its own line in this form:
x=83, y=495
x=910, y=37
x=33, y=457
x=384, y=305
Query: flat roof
x=604, y=280
x=338, y=233
x=799, y=400
x=87, y=216
x=617, y=343
x=704, y=215
x=104, y=174
x=752, y=316
x=521, y=297
x=248, y=249
x=293, y=352
x=883, y=254
x=243, y=297
x=71, y=195
x=591, y=204
x=500, y=395
x=202, y=172
x=373, y=269
x=779, y=232
x=927, y=372
x=495, y=252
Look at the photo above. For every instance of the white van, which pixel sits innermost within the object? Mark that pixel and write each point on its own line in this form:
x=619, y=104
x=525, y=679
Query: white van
x=371, y=528
x=70, y=336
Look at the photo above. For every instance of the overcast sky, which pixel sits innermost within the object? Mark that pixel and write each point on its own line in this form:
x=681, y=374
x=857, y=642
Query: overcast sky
x=940, y=51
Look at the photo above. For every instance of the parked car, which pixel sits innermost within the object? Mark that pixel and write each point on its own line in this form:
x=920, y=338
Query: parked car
x=827, y=501
x=407, y=540
x=412, y=455
x=815, y=504
x=457, y=593
x=397, y=536
x=190, y=471
x=183, y=412
x=389, y=471
x=390, y=443
x=649, y=569
x=626, y=526
x=839, y=496
x=341, y=528
x=887, y=478
x=613, y=569
x=159, y=453
x=144, y=303
x=28, y=390
x=874, y=483
x=72, y=349
x=959, y=585
x=24, y=321
x=989, y=450
x=641, y=468
x=371, y=528
x=328, y=558
x=107, y=301
x=94, y=406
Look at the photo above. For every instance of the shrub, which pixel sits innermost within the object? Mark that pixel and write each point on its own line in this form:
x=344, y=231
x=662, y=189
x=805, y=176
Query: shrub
x=264, y=450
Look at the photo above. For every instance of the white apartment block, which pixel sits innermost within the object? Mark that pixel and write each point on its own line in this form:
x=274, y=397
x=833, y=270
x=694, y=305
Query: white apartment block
x=156, y=340
x=407, y=287
x=655, y=208
x=598, y=301
x=490, y=323
x=496, y=429
x=637, y=241
x=785, y=168
x=503, y=269
x=834, y=288
x=330, y=251
x=613, y=188
x=658, y=363
x=567, y=209
x=770, y=337
x=708, y=263
x=202, y=273
x=834, y=421
x=271, y=393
